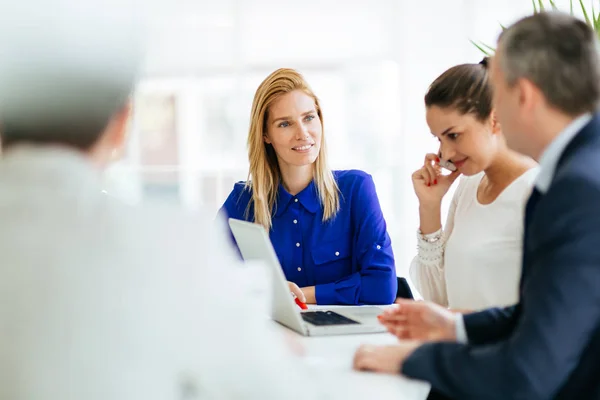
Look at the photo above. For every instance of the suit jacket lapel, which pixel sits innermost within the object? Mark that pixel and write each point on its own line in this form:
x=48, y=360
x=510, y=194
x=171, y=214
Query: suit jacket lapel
x=534, y=199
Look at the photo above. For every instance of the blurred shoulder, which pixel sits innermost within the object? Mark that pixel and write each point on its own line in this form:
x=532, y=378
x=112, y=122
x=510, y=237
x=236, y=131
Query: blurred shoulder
x=161, y=221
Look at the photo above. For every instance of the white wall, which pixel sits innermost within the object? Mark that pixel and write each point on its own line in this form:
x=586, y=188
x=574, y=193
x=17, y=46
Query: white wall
x=370, y=62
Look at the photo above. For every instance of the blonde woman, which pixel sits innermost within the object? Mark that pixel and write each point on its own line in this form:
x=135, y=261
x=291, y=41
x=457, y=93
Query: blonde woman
x=326, y=226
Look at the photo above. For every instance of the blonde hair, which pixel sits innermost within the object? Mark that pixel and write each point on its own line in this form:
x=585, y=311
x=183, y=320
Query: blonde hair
x=264, y=175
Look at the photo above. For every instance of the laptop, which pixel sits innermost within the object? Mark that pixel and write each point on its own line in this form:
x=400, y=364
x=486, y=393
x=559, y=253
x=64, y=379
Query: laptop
x=254, y=244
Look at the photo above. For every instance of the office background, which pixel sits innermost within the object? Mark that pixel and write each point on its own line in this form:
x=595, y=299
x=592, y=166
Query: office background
x=370, y=63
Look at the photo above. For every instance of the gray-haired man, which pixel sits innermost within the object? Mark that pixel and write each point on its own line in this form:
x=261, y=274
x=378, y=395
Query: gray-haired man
x=546, y=77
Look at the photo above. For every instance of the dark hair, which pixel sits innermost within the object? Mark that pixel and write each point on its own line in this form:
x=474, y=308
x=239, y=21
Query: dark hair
x=82, y=134
x=466, y=88
x=77, y=118
x=65, y=86
x=559, y=54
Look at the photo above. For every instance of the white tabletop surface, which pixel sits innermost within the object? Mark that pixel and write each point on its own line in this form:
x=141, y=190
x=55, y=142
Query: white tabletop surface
x=331, y=358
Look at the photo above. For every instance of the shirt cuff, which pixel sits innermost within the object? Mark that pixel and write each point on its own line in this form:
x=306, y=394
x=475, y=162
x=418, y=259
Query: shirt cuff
x=461, y=331
x=430, y=237
x=326, y=293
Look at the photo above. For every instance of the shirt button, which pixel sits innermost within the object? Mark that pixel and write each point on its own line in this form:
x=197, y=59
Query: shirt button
x=337, y=253
x=299, y=269
x=297, y=244
x=295, y=221
x=295, y=200
x=378, y=247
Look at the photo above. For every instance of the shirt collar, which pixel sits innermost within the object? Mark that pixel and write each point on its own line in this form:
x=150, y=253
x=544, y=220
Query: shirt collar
x=53, y=167
x=550, y=157
x=307, y=197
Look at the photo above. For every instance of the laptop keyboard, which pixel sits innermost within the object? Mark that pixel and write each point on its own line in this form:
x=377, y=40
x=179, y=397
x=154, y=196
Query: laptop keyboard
x=323, y=318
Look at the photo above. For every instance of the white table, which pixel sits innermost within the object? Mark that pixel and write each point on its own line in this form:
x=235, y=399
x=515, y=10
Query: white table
x=331, y=357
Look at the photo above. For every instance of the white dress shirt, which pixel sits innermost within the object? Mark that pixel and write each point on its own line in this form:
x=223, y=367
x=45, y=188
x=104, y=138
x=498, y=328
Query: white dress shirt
x=102, y=301
x=551, y=155
x=548, y=162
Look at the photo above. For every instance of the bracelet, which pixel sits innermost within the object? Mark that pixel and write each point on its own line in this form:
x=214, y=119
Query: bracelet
x=430, y=237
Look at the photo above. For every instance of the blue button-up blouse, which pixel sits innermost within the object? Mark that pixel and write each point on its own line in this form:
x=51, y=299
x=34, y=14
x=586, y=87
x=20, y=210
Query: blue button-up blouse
x=348, y=259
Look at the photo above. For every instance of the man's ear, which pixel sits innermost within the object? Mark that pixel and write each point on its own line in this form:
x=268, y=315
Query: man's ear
x=529, y=95
x=119, y=126
x=110, y=145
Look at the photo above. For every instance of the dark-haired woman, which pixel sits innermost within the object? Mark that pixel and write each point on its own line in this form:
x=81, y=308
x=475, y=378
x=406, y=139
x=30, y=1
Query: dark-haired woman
x=474, y=261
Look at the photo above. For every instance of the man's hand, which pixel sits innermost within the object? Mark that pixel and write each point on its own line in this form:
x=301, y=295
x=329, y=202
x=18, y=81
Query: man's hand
x=384, y=359
x=419, y=320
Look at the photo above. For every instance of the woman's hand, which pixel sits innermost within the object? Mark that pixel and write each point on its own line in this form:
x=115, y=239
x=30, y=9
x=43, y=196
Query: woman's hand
x=429, y=183
x=296, y=291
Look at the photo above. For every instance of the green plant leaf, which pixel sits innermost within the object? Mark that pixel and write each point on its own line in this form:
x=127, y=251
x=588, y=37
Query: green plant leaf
x=490, y=48
x=595, y=19
x=541, y=3
x=482, y=47
x=538, y=6
x=585, y=14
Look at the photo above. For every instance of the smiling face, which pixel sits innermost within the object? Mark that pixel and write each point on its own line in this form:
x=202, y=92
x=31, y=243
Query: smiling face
x=294, y=129
x=469, y=143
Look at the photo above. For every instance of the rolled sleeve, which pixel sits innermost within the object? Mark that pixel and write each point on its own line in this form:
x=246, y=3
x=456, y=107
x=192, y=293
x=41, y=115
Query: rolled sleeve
x=345, y=291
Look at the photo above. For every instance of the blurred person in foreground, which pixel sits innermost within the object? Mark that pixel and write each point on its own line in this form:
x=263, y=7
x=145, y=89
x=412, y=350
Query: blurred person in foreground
x=99, y=300
x=546, y=77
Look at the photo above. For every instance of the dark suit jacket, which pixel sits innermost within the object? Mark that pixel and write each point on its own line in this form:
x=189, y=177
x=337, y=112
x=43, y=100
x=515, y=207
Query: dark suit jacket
x=548, y=345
